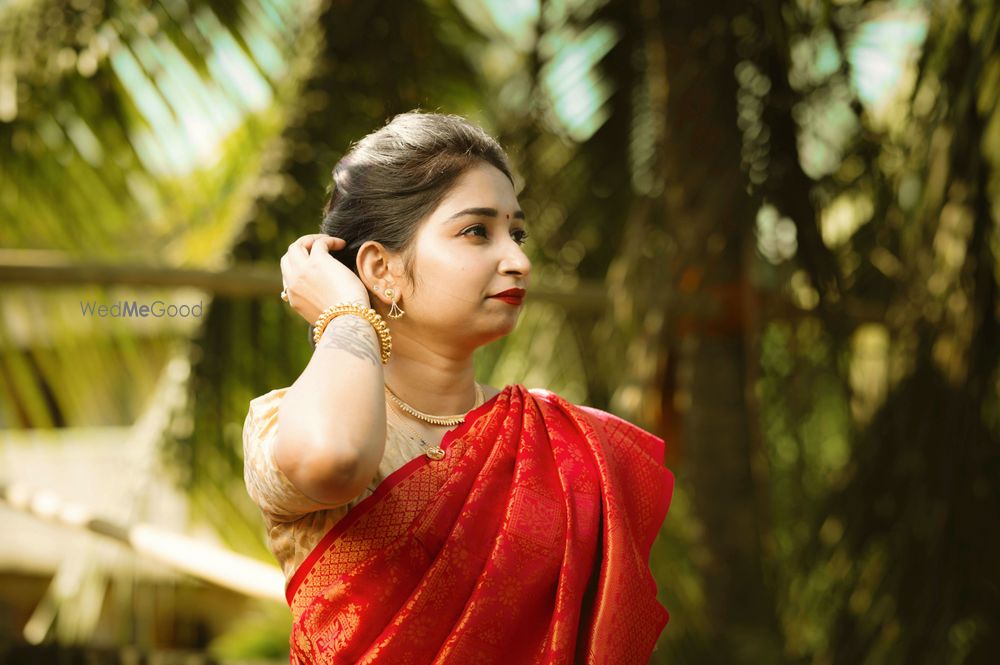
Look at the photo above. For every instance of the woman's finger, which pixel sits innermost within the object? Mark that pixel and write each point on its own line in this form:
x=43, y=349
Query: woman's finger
x=291, y=264
x=288, y=268
x=323, y=245
x=298, y=254
x=300, y=245
x=332, y=241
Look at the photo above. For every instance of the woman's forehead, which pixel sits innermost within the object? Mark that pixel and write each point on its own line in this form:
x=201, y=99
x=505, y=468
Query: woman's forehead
x=481, y=186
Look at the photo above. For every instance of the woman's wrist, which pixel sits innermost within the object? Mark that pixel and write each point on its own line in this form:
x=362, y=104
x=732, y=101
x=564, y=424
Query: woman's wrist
x=357, y=297
x=357, y=309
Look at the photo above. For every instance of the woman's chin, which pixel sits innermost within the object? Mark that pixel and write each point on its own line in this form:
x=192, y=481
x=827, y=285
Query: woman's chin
x=496, y=331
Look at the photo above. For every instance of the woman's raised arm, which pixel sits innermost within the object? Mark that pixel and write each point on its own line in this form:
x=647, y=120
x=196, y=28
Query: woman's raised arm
x=332, y=421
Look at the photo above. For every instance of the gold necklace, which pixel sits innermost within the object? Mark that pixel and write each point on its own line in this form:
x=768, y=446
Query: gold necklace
x=428, y=418
x=434, y=452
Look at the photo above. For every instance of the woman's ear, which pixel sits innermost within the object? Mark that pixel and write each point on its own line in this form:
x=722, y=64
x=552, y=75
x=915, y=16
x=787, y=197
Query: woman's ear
x=377, y=265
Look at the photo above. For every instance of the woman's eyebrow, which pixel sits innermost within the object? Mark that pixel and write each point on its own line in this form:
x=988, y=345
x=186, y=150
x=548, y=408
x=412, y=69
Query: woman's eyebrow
x=483, y=212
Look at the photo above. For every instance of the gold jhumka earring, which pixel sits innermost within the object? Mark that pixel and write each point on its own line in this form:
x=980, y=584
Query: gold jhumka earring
x=395, y=312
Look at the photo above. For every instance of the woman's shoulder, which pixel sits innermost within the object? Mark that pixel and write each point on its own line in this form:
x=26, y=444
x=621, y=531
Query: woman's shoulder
x=599, y=415
x=551, y=396
x=489, y=392
x=544, y=394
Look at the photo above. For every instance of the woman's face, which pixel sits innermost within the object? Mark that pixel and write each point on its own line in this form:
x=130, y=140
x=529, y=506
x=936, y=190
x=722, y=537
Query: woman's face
x=467, y=250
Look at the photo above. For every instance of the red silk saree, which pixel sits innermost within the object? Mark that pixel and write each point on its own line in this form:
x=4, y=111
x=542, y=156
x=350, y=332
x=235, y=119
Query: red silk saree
x=527, y=543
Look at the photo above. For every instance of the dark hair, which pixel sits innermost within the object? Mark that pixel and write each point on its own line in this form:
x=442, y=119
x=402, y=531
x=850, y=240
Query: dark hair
x=394, y=177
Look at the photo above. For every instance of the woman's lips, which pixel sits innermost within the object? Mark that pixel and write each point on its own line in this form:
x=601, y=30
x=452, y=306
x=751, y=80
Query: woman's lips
x=511, y=300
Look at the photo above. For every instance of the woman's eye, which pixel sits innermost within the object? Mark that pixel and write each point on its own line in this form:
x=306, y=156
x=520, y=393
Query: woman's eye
x=520, y=239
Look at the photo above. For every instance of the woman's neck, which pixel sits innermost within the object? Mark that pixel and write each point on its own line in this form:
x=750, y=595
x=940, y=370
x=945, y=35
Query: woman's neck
x=431, y=388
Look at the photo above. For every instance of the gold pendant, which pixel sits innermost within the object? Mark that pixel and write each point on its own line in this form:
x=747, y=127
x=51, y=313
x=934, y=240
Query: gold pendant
x=435, y=453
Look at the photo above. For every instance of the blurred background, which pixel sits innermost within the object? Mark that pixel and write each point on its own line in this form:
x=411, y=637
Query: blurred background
x=765, y=230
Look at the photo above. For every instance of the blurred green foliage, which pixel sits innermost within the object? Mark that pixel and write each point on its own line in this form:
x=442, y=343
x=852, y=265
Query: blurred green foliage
x=790, y=204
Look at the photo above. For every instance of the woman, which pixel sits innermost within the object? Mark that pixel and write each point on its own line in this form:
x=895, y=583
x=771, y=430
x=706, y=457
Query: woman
x=515, y=531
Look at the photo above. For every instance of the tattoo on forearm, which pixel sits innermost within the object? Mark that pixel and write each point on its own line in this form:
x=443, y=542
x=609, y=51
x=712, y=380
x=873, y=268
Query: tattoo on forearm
x=352, y=334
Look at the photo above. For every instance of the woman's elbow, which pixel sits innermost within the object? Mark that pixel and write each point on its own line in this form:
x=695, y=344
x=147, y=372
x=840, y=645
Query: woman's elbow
x=323, y=472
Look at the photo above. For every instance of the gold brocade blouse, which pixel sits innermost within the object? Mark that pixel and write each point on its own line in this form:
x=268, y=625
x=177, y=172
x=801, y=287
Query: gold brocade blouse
x=292, y=532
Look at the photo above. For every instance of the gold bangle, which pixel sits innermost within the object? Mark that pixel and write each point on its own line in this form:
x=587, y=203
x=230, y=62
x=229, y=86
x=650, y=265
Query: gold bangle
x=367, y=313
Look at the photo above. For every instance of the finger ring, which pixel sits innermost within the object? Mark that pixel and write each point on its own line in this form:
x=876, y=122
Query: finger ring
x=284, y=295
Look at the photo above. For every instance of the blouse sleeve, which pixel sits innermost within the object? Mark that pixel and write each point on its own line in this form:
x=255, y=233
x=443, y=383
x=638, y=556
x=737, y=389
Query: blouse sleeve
x=266, y=484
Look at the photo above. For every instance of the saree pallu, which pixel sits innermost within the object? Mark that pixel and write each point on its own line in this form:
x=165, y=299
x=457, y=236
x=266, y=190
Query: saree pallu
x=485, y=555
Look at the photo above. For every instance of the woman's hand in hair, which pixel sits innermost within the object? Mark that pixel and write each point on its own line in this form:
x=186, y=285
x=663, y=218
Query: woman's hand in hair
x=314, y=280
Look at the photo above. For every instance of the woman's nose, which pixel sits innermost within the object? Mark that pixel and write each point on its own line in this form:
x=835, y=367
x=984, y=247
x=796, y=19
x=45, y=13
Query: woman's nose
x=517, y=260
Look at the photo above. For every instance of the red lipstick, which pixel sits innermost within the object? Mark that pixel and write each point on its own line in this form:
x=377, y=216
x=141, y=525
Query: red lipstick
x=511, y=296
